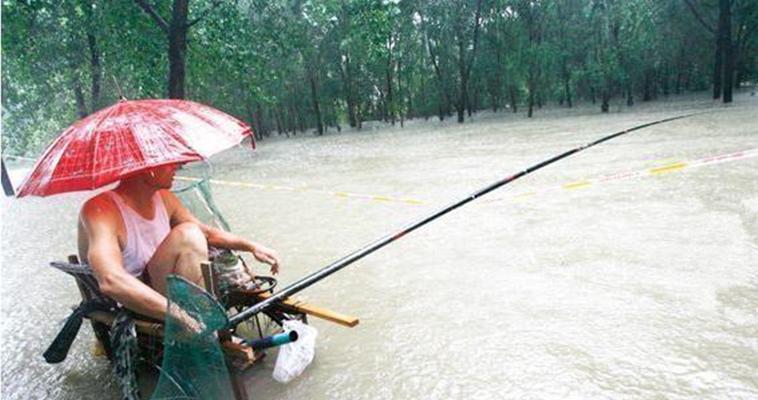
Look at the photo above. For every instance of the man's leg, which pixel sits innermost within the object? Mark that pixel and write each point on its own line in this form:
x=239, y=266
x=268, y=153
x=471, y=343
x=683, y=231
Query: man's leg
x=180, y=253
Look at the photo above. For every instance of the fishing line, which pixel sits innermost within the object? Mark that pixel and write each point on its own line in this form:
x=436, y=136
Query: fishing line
x=667, y=168
x=376, y=245
x=362, y=196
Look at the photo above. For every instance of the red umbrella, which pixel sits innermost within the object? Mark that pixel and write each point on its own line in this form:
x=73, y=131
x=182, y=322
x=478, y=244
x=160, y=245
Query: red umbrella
x=129, y=137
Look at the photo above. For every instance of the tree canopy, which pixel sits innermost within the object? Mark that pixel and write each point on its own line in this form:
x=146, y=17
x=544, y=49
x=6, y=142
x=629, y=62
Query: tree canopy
x=289, y=66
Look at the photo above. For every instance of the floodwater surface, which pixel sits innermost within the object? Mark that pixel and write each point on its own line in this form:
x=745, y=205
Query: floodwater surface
x=628, y=271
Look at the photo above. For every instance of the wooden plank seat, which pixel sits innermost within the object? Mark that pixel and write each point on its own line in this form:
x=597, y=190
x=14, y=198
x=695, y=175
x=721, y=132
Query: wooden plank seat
x=102, y=318
x=102, y=311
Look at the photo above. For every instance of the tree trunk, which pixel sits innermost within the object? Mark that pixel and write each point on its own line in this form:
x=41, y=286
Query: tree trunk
x=530, y=87
x=741, y=49
x=358, y=116
x=401, y=110
x=278, y=118
x=251, y=119
x=665, y=84
x=261, y=123
x=351, y=117
x=567, y=90
x=94, y=52
x=300, y=119
x=382, y=106
x=295, y=119
x=646, y=87
x=315, y=102
x=76, y=85
x=606, y=102
x=81, y=107
x=411, y=110
x=531, y=104
x=725, y=43
x=496, y=86
x=739, y=70
x=177, y=49
x=95, y=71
x=471, y=104
x=629, y=96
x=512, y=95
x=465, y=63
x=718, y=68
x=606, y=96
x=390, y=112
x=443, y=95
x=289, y=118
x=346, y=75
x=460, y=105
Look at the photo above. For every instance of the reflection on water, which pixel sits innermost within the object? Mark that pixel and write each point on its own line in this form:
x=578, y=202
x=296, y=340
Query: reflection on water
x=637, y=288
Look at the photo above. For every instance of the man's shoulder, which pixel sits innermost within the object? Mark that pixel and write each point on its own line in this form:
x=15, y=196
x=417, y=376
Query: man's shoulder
x=99, y=206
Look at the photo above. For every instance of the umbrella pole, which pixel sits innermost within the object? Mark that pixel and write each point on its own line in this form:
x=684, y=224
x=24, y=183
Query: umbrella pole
x=376, y=245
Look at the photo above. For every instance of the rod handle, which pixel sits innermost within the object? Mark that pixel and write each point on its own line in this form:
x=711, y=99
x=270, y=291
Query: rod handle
x=273, y=341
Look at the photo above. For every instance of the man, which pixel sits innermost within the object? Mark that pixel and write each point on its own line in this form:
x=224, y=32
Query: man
x=136, y=235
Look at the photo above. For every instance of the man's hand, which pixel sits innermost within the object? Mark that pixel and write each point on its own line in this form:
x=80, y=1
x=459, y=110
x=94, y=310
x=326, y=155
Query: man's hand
x=266, y=255
x=190, y=326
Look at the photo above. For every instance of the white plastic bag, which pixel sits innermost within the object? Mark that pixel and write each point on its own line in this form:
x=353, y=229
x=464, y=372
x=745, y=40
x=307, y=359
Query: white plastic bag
x=294, y=357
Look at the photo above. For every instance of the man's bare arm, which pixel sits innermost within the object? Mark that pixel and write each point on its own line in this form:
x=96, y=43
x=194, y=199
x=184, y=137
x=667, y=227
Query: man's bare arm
x=104, y=256
x=220, y=238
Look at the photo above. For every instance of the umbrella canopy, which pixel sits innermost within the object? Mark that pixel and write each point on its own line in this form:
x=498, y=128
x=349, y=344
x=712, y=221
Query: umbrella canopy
x=127, y=138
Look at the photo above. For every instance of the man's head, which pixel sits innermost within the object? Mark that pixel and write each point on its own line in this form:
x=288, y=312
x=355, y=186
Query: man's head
x=161, y=177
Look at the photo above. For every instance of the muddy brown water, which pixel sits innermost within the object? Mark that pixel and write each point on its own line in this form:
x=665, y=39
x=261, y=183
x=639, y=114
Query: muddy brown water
x=592, y=278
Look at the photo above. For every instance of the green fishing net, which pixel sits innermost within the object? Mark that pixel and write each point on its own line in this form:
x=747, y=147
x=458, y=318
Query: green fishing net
x=126, y=354
x=193, y=364
x=195, y=194
x=196, y=197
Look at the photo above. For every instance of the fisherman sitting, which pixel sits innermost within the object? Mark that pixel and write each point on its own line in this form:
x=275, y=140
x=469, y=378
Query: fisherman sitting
x=137, y=234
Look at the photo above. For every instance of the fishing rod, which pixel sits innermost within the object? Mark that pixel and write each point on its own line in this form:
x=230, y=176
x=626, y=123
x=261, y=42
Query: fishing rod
x=378, y=244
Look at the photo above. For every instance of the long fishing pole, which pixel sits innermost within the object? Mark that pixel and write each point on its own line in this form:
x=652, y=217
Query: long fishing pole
x=378, y=244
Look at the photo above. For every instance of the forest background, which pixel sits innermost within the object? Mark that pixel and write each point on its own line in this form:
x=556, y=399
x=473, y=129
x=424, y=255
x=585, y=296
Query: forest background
x=294, y=66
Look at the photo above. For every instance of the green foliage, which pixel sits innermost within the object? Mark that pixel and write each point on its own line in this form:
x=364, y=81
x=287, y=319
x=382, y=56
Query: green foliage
x=287, y=66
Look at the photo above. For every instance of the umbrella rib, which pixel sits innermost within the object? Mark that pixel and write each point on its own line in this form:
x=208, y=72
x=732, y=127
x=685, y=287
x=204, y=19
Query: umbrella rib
x=212, y=122
x=97, y=143
x=173, y=134
x=40, y=161
x=49, y=152
x=61, y=153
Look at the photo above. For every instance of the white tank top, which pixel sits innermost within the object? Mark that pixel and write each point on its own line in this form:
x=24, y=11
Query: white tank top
x=142, y=235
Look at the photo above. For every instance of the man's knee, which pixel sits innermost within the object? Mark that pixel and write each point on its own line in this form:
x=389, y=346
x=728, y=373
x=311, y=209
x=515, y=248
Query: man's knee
x=190, y=234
